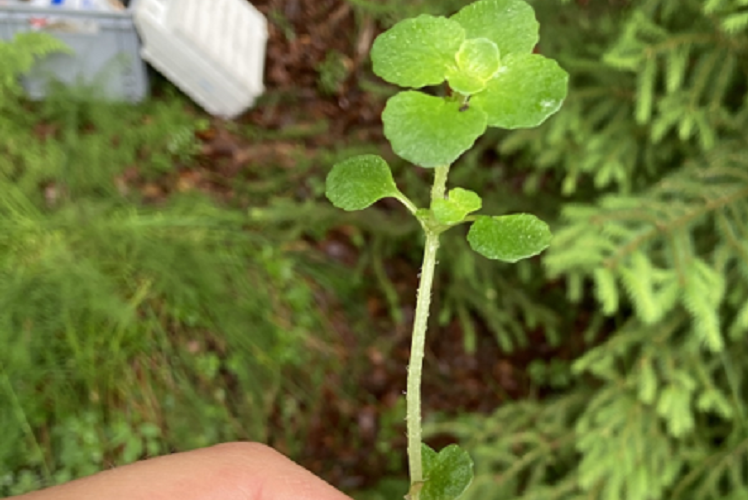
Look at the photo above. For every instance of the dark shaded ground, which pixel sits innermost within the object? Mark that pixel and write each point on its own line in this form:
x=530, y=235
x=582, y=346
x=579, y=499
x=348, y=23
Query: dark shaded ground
x=303, y=33
x=347, y=443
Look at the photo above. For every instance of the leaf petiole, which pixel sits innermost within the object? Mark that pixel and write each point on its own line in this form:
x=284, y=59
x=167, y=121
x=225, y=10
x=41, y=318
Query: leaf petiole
x=412, y=208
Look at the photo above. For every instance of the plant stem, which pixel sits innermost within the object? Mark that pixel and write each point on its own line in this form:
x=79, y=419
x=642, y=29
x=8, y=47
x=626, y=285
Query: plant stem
x=440, y=182
x=413, y=394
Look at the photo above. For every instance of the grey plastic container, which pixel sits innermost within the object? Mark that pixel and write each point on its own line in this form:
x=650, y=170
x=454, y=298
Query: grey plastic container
x=105, y=44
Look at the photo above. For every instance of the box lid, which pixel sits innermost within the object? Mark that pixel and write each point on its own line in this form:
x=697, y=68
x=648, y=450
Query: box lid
x=231, y=33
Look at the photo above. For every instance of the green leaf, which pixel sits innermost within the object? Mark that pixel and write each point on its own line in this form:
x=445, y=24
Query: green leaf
x=417, y=52
x=454, y=208
x=465, y=84
x=510, y=24
x=509, y=237
x=430, y=131
x=357, y=182
x=526, y=90
x=479, y=57
x=446, y=474
x=477, y=62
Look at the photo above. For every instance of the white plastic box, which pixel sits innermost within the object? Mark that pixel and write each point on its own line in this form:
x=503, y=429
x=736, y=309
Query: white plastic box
x=106, y=48
x=214, y=50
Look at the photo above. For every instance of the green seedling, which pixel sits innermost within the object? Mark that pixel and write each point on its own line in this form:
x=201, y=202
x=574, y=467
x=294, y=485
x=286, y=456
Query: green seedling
x=485, y=55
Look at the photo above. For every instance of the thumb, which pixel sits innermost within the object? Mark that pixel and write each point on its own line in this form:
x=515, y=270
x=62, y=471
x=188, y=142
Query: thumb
x=233, y=471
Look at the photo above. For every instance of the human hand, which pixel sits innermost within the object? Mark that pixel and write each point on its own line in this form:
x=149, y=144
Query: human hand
x=232, y=471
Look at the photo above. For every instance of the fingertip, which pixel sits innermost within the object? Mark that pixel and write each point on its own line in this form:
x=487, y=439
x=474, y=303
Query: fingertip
x=272, y=475
x=230, y=471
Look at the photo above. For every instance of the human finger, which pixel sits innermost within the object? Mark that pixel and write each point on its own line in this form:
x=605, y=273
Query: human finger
x=232, y=471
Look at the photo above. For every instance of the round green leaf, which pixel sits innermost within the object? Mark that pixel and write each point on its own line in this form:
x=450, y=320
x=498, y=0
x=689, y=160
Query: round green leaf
x=357, y=182
x=417, y=52
x=446, y=474
x=478, y=57
x=526, y=90
x=510, y=24
x=510, y=237
x=477, y=61
x=456, y=206
x=465, y=84
x=430, y=131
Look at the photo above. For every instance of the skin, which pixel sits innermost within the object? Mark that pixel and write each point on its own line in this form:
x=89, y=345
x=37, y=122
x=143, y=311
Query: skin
x=233, y=471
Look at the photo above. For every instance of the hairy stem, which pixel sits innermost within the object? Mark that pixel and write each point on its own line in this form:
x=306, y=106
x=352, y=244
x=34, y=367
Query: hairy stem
x=440, y=182
x=413, y=394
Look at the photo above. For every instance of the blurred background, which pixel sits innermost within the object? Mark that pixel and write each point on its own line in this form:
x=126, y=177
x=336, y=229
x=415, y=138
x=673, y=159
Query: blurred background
x=169, y=280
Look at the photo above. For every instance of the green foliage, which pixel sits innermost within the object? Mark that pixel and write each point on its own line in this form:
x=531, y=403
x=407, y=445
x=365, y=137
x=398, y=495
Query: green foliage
x=472, y=285
x=477, y=61
x=483, y=51
x=18, y=56
x=75, y=132
x=456, y=206
x=540, y=81
x=389, y=12
x=650, y=246
x=430, y=131
x=661, y=76
x=523, y=449
x=519, y=28
x=555, y=374
x=131, y=329
x=447, y=474
x=417, y=52
x=509, y=237
x=332, y=72
x=652, y=146
x=358, y=182
x=433, y=132
x=100, y=298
